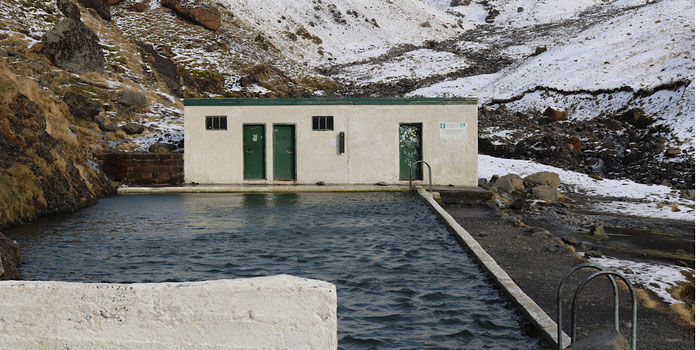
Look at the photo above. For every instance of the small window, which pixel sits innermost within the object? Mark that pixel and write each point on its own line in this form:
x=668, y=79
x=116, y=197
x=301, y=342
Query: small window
x=322, y=123
x=216, y=122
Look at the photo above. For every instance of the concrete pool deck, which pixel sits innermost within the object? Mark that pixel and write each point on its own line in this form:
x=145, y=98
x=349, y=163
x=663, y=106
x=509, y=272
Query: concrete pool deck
x=261, y=188
x=544, y=324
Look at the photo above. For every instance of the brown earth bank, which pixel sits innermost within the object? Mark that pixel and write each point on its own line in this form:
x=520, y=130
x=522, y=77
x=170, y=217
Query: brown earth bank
x=46, y=162
x=537, y=261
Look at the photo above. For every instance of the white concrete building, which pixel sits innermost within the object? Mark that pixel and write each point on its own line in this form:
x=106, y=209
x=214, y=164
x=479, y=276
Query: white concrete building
x=337, y=141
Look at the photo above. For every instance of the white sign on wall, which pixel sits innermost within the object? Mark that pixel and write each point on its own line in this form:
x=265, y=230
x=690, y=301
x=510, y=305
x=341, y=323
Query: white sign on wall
x=453, y=131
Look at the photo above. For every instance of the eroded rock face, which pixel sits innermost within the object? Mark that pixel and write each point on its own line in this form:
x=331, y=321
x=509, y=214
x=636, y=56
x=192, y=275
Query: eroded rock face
x=206, y=16
x=100, y=6
x=10, y=259
x=71, y=45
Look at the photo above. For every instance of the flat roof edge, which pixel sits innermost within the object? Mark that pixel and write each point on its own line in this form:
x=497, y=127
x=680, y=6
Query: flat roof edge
x=328, y=101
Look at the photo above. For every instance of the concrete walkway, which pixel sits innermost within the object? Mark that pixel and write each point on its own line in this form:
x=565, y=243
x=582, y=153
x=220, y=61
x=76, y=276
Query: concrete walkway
x=245, y=188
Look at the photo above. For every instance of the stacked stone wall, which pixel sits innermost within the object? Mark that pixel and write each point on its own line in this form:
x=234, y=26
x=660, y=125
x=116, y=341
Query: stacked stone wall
x=143, y=168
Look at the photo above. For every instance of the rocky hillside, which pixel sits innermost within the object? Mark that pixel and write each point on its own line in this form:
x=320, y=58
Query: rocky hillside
x=604, y=87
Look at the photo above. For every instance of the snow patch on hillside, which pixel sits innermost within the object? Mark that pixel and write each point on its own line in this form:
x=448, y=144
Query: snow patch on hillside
x=607, y=194
x=348, y=30
x=658, y=278
x=414, y=65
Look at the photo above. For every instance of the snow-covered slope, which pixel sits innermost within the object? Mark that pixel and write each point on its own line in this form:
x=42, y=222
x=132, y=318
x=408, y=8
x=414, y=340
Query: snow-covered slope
x=342, y=31
x=603, y=68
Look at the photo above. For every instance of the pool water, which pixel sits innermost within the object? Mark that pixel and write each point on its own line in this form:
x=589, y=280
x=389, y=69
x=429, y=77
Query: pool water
x=402, y=279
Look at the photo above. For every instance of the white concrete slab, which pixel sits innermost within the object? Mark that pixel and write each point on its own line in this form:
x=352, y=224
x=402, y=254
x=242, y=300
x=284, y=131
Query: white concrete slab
x=277, y=312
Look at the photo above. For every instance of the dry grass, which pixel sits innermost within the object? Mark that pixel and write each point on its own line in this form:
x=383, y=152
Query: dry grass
x=20, y=195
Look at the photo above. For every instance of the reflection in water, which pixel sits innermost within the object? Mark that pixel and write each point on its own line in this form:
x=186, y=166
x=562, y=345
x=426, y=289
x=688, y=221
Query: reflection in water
x=403, y=281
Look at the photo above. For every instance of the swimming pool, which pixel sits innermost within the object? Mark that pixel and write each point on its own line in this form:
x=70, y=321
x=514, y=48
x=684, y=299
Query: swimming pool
x=403, y=281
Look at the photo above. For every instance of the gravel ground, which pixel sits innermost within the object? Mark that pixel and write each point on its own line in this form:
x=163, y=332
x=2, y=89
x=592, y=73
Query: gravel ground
x=537, y=266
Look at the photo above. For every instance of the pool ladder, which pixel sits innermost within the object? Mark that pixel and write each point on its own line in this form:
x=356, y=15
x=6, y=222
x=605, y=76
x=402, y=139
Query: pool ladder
x=410, y=175
x=616, y=315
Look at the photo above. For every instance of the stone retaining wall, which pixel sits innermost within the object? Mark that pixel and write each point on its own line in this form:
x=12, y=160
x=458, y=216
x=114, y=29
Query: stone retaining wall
x=276, y=312
x=143, y=168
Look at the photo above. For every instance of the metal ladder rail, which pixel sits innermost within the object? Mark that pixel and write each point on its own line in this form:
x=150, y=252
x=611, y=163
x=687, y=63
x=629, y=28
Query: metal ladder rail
x=634, y=304
x=560, y=293
x=410, y=175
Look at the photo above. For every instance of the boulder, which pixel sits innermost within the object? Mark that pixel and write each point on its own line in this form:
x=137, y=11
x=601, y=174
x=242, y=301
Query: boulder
x=139, y=6
x=594, y=253
x=612, y=340
x=637, y=118
x=162, y=147
x=81, y=105
x=570, y=241
x=108, y=127
x=542, y=178
x=10, y=259
x=540, y=50
x=483, y=183
x=204, y=15
x=613, y=124
x=688, y=194
x=114, y=2
x=598, y=231
x=69, y=9
x=133, y=128
x=135, y=99
x=100, y=6
x=520, y=204
x=71, y=45
x=554, y=115
x=547, y=193
x=508, y=183
x=575, y=143
x=540, y=233
x=454, y=3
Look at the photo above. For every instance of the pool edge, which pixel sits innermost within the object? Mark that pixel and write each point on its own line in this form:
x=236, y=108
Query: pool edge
x=544, y=324
x=261, y=189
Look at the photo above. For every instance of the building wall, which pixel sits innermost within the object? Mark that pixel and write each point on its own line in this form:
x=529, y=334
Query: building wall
x=371, y=148
x=276, y=312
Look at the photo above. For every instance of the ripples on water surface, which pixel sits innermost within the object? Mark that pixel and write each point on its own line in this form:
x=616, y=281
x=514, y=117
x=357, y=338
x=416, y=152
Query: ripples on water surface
x=403, y=281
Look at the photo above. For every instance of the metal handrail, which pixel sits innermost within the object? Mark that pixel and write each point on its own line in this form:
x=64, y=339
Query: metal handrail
x=410, y=175
x=634, y=304
x=560, y=293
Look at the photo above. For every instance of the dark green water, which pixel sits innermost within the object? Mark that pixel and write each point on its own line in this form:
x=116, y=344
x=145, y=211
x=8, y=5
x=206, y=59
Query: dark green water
x=403, y=281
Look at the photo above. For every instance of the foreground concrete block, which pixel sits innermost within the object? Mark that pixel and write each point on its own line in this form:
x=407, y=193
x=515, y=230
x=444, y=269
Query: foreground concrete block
x=277, y=312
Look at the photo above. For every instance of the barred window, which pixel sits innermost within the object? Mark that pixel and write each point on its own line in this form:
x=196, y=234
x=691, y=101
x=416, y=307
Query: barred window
x=216, y=122
x=322, y=123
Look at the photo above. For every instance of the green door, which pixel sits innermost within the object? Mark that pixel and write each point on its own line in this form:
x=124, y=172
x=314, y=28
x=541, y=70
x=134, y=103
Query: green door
x=253, y=151
x=410, y=151
x=283, y=153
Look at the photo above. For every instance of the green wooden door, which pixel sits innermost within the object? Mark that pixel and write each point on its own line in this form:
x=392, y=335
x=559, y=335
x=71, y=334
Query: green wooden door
x=410, y=151
x=253, y=151
x=283, y=153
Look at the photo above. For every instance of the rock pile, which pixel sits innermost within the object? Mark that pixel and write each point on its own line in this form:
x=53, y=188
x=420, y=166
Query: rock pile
x=629, y=144
x=514, y=192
